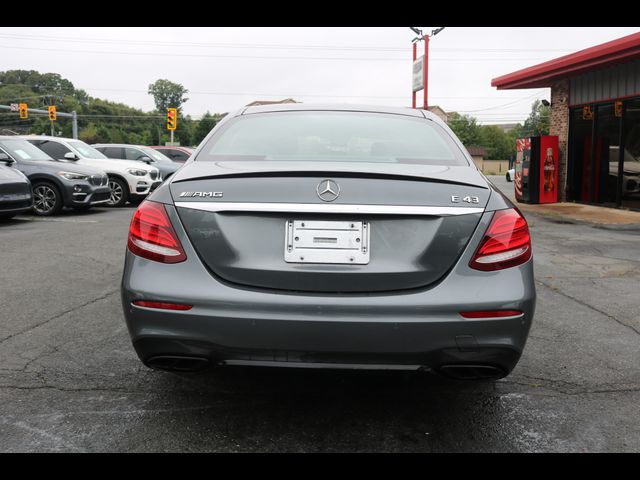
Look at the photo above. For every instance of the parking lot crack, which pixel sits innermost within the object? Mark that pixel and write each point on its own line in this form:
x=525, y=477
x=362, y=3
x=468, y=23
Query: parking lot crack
x=568, y=388
x=591, y=307
x=59, y=315
x=79, y=389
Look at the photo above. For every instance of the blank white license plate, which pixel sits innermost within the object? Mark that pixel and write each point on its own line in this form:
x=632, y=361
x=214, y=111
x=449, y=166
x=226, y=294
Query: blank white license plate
x=327, y=242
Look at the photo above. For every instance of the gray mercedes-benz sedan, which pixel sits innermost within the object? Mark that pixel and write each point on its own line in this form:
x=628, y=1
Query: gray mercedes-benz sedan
x=330, y=237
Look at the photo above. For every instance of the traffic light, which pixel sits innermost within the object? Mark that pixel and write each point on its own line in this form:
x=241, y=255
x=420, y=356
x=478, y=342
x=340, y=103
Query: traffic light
x=52, y=113
x=24, y=110
x=172, y=118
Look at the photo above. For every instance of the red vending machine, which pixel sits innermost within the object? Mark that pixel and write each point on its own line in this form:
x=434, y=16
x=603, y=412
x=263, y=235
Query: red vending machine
x=536, y=176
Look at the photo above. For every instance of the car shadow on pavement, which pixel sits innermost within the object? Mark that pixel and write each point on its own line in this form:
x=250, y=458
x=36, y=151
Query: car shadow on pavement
x=270, y=409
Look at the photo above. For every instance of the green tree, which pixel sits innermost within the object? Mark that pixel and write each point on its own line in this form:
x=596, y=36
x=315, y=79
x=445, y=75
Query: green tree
x=89, y=134
x=498, y=144
x=538, y=121
x=205, y=125
x=99, y=121
x=466, y=128
x=167, y=94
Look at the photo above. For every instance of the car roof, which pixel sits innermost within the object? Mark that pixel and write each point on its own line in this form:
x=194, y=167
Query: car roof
x=118, y=145
x=285, y=107
x=11, y=137
x=48, y=137
x=171, y=146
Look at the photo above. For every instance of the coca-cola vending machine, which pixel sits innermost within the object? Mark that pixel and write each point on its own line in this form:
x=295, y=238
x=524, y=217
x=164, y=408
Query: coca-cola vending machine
x=536, y=169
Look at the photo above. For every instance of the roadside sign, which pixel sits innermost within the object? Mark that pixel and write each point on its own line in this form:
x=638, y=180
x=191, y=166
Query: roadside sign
x=418, y=74
x=24, y=110
x=52, y=112
x=14, y=107
x=172, y=118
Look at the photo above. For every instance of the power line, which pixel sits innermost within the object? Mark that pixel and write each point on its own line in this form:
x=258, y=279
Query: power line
x=259, y=57
x=299, y=95
x=262, y=45
x=504, y=105
x=194, y=92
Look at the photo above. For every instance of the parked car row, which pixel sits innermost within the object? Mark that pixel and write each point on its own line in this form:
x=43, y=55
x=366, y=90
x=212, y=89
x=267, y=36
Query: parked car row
x=45, y=174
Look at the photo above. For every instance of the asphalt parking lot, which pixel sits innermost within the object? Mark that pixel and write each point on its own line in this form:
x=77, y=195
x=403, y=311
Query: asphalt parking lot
x=70, y=380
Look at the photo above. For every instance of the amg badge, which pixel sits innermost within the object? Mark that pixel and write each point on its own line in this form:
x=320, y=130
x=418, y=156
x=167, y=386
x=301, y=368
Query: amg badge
x=201, y=194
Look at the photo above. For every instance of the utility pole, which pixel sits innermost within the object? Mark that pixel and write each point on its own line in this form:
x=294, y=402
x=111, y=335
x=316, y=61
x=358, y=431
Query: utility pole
x=74, y=124
x=425, y=64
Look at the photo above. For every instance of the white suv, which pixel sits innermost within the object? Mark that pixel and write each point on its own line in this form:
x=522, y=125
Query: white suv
x=128, y=180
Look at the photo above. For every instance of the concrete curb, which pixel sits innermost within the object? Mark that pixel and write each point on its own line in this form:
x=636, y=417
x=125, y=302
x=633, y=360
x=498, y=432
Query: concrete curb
x=560, y=218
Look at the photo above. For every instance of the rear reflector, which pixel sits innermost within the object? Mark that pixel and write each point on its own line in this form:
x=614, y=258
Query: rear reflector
x=491, y=314
x=152, y=236
x=161, y=305
x=506, y=243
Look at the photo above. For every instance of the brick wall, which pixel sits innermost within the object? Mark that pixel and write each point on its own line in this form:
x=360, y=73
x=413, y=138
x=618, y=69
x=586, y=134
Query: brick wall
x=559, y=125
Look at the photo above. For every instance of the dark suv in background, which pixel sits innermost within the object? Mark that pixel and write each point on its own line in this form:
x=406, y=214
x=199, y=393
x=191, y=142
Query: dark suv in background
x=15, y=189
x=56, y=183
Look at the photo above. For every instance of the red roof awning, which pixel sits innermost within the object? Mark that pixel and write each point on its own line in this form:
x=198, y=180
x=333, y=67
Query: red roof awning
x=545, y=74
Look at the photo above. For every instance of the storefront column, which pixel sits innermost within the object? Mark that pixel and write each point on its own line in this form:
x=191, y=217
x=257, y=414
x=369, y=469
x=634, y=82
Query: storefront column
x=559, y=125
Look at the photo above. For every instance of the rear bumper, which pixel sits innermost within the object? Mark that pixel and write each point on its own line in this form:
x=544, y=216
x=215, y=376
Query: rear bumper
x=414, y=329
x=430, y=344
x=17, y=201
x=15, y=207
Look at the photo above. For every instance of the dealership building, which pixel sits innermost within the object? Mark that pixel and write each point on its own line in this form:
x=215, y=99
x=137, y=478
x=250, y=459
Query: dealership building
x=595, y=112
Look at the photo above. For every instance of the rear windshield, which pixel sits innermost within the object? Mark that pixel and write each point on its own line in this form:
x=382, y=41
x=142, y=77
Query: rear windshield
x=332, y=136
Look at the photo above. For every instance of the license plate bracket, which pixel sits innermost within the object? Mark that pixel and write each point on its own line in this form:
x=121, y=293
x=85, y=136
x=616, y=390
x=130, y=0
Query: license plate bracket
x=317, y=241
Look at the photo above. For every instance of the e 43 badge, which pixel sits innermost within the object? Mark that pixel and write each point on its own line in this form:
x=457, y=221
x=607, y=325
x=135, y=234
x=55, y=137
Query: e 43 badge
x=467, y=199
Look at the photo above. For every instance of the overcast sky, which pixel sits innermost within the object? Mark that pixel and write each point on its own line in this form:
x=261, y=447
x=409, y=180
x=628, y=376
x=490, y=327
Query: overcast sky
x=226, y=68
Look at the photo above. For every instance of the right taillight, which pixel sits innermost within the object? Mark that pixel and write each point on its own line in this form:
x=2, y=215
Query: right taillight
x=152, y=236
x=505, y=244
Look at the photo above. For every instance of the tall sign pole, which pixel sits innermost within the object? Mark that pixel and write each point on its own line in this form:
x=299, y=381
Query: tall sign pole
x=425, y=70
x=421, y=66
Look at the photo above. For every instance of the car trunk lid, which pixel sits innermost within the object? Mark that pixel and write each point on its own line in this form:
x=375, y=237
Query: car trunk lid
x=272, y=227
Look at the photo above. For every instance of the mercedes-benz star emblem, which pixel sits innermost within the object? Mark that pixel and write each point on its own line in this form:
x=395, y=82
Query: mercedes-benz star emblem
x=328, y=190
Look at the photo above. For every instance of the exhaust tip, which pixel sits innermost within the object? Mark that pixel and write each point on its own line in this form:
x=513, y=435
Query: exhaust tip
x=174, y=363
x=473, y=372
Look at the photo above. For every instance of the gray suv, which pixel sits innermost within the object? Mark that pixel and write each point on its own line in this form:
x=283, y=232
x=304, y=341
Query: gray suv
x=56, y=183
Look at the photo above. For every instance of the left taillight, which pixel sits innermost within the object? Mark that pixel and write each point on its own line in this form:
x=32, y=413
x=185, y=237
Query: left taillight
x=152, y=236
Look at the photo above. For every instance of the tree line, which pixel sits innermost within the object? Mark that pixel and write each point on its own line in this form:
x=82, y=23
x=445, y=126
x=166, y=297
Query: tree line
x=500, y=145
x=99, y=121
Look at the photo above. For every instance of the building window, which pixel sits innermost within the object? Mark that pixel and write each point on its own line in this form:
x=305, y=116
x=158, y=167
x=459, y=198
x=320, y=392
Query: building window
x=599, y=171
x=631, y=162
